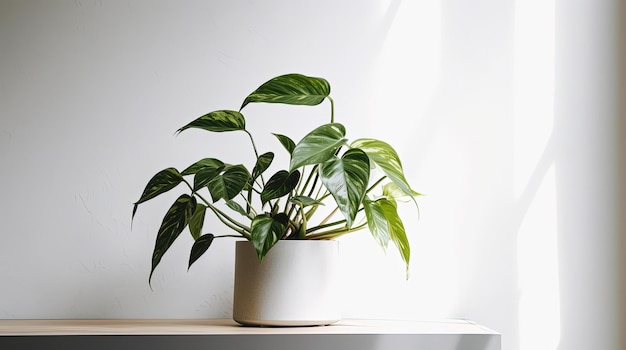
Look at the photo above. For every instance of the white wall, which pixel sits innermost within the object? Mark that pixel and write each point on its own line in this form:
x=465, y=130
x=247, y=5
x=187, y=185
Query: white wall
x=518, y=223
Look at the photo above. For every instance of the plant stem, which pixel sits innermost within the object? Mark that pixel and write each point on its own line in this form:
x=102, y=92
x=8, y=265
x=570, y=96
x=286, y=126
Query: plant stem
x=321, y=226
x=375, y=184
x=332, y=109
x=227, y=220
x=336, y=233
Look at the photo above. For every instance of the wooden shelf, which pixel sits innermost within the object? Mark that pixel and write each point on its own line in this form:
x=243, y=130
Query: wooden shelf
x=226, y=334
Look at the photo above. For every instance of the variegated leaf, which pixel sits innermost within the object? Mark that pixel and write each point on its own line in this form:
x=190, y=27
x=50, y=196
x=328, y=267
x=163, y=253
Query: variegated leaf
x=174, y=222
x=346, y=178
x=387, y=159
x=318, y=146
x=218, y=121
x=279, y=185
x=162, y=182
x=295, y=89
x=200, y=246
x=266, y=231
x=230, y=183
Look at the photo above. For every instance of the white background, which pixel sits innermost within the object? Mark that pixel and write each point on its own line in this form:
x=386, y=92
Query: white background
x=506, y=115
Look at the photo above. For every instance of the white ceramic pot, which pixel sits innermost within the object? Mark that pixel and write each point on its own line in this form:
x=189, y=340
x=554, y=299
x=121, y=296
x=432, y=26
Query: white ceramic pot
x=295, y=285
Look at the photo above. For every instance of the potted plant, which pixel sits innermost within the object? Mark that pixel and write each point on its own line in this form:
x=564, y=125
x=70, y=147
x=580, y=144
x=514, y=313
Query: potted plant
x=361, y=181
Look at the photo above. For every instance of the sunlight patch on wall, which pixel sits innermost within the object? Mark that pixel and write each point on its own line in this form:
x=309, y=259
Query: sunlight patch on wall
x=539, y=304
x=534, y=86
x=408, y=65
x=534, y=176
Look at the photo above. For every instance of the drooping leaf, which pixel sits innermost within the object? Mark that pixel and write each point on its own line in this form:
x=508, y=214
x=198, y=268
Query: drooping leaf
x=200, y=246
x=162, y=182
x=266, y=231
x=218, y=121
x=318, y=146
x=387, y=159
x=397, y=234
x=203, y=163
x=376, y=222
x=174, y=222
x=286, y=142
x=295, y=89
x=346, y=178
x=279, y=185
x=230, y=183
x=262, y=163
x=197, y=221
x=385, y=224
x=305, y=201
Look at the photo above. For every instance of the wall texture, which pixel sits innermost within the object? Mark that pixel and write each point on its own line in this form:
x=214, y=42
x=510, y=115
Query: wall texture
x=518, y=159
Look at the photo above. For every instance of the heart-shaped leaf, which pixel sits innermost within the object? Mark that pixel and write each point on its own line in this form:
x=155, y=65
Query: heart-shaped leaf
x=294, y=89
x=318, y=146
x=200, y=246
x=174, y=222
x=387, y=159
x=279, y=185
x=286, y=142
x=346, y=178
x=203, y=163
x=230, y=183
x=197, y=220
x=218, y=121
x=162, y=182
x=266, y=231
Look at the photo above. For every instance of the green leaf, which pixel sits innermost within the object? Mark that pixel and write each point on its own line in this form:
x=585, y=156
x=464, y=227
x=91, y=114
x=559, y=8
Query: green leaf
x=396, y=230
x=230, y=183
x=266, y=231
x=204, y=176
x=203, y=163
x=387, y=159
x=392, y=191
x=318, y=146
x=218, y=121
x=174, y=222
x=197, y=220
x=160, y=183
x=305, y=201
x=385, y=224
x=294, y=89
x=236, y=207
x=200, y=246
x=279, y=185
x=262, y=163
x=377, y=222
x=286, y=142
x=346, y=178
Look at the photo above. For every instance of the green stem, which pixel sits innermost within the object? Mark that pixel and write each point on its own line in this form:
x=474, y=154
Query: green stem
x=322, y=226
x=223, y=217
x=375, y=184
x=302, y=230
x=336, y=233
x=332, y=109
